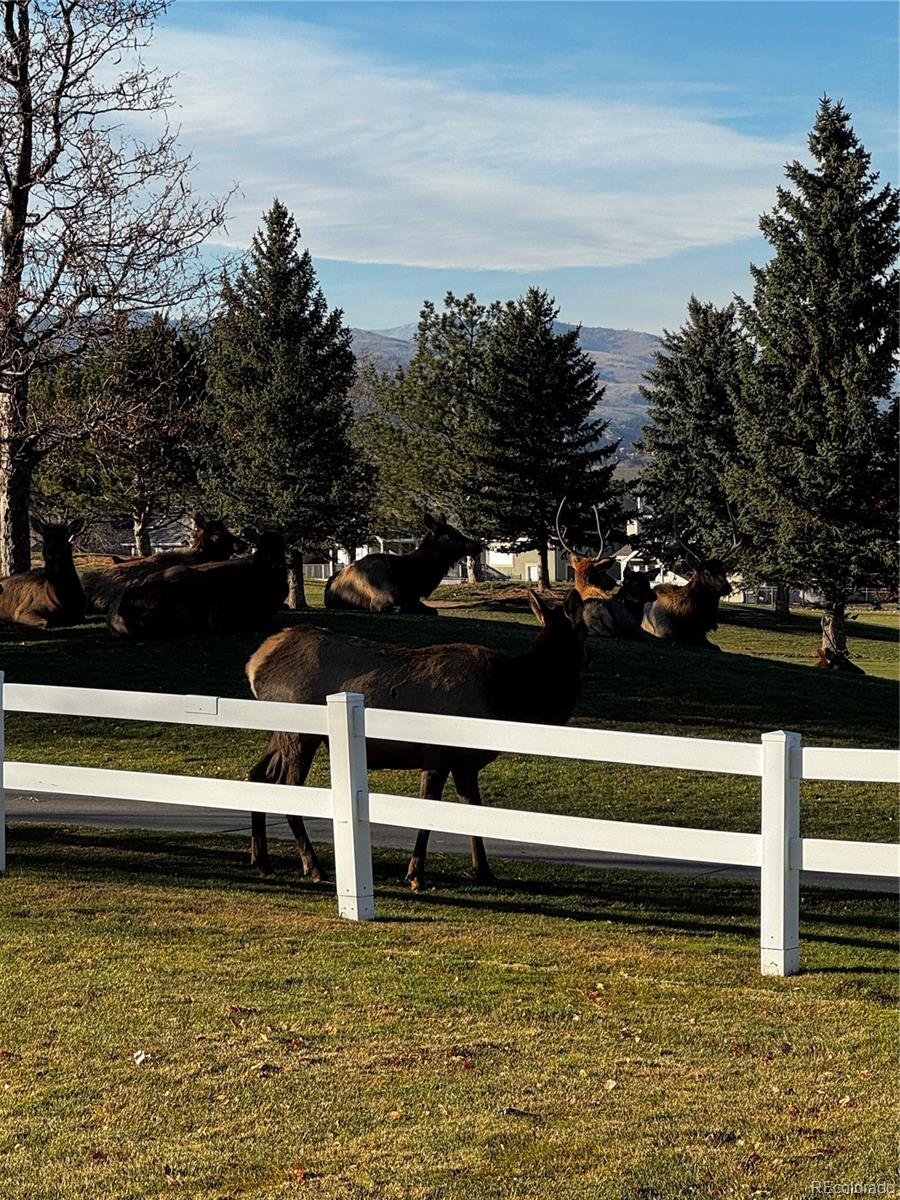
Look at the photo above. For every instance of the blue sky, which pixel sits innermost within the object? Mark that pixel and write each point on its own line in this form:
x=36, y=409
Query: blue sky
x=618, y=154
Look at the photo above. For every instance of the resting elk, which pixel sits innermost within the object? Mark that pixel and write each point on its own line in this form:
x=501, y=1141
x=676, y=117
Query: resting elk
x=686, y=613
x=303, y=665
x=212, y=542
x=243, y=593
x=50, y=595
x=593, y=579
x=621, y=616
x=397, y=583
x=607, y=615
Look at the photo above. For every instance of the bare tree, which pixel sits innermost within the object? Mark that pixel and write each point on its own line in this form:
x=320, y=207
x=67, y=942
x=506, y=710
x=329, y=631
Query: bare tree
x=98, y=220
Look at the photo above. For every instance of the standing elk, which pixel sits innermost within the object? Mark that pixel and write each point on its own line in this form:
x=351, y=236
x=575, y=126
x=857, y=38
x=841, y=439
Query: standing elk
x=303, y=665
x=50, y=595
x=686, y=613
x=243, y=593
x=397, y=583
x=212, y=542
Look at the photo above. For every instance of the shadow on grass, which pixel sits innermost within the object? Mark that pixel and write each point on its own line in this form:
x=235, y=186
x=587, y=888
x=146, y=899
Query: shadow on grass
x=631, y=685
x=642, y=900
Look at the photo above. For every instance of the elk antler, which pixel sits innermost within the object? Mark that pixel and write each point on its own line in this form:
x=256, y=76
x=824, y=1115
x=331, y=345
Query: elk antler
x=599, y=553
x=736, y=540
x=692, y=555
x=559, y=532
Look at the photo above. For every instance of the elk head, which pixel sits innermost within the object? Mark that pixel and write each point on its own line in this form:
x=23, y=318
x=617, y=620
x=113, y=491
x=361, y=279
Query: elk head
x=712, y=572
x=563, y=625
x=448, y=540
x=215, y=538
x=636, y=586
x=57, y=536
x=593, y=578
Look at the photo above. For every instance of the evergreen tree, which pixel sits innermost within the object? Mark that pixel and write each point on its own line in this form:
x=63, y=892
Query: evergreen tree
x=138, y=396
x=423, y=425
x=539, y=438
x=278, y=416
x=816, y=442
x=692, y=395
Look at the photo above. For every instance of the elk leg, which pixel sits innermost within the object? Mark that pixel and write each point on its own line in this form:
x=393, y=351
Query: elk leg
x=465, y=780
x=296, y=769
x=259, y=844
x=432, y=789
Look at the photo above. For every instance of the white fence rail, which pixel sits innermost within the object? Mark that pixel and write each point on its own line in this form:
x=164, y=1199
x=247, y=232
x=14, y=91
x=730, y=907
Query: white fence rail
x=780, y=761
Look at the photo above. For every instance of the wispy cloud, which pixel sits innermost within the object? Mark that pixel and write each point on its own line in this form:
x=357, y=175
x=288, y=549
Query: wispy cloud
x=399, y=166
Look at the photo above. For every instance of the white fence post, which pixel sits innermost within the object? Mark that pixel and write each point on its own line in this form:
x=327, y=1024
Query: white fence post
x=779, y=934
x=2, y=790
x=350, y=791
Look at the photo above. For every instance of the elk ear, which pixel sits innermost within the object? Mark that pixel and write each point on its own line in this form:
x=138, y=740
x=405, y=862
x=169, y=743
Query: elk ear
x=539, y=606
x=627, y=573
x=38, y=525
x=75, y=527
x=200, y=520
x=574, y=607
x=429, y=522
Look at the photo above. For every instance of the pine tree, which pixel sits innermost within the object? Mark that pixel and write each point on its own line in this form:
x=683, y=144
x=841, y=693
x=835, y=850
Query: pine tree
x=278, y=416
x=539, y=437
x=691, y=442
x=817, y=444
x=422, y=428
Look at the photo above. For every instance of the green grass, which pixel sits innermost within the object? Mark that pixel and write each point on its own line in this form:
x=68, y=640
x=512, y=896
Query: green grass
x=765, y=681
x=573, y=1034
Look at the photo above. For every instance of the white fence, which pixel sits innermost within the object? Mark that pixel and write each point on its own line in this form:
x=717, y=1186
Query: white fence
x=780, y=761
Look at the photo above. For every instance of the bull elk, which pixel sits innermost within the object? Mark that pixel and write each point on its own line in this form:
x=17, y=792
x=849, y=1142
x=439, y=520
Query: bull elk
x=242, y=593
x=50, y=595
x=593, y=580
x=687, y=613
x=212, y=542
x=303, y=665
x=398, y=583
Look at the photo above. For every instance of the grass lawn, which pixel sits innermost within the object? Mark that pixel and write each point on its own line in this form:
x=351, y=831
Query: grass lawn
x=171, y=1025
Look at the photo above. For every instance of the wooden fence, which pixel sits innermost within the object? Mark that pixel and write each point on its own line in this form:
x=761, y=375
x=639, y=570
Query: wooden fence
x=779, y=760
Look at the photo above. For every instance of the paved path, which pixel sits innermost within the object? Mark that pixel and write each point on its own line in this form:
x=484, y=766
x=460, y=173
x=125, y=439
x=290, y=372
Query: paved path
x=140, y=814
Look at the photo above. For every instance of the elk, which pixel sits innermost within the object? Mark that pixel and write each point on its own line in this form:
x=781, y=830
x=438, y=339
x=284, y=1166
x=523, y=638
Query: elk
x=242, y=593
x=212, y=542
x=621, y=616
x=397, y=583
x=686, y=613
x=50, y=595
x=837, y=660
x=305, y=664
x=593, y=580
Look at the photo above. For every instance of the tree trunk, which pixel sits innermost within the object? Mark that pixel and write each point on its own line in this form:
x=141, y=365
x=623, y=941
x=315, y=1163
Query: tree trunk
x=834, y=631
x=140, y=522
x=782, y=600
x=473, y=569
x=544, y=569
x=296, y=591
x=16, y=469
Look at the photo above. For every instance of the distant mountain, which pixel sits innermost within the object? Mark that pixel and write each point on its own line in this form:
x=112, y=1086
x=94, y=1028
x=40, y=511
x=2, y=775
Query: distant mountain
x=621, y=356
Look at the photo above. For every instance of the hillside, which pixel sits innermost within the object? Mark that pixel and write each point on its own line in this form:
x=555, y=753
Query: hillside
x=621, y=356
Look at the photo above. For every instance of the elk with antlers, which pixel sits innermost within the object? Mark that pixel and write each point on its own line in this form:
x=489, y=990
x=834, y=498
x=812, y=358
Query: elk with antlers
x=687, y=613
x=50, y=595
x=593, y=580
x=304, y=664
x=243, y=593
x=212, y=542
x=398, y=583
